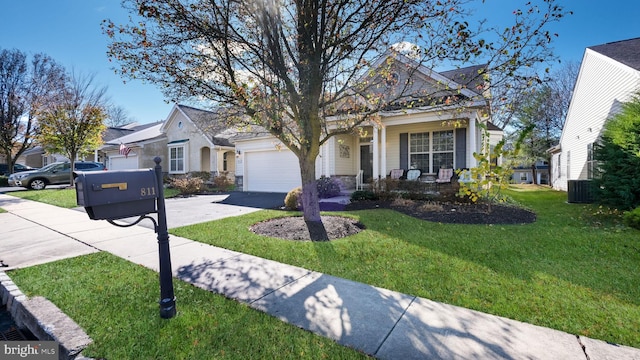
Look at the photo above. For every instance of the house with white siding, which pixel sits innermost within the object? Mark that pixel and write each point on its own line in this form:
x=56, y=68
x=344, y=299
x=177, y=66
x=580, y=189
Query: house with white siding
x=426, y=137
x=198, y=141
x=142, y=146
x=609, y=75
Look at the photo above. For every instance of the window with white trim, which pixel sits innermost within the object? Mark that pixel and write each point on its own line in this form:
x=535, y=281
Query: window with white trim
x=430, y=151
x=176, y=159
x=442, y=150
x=419, y=151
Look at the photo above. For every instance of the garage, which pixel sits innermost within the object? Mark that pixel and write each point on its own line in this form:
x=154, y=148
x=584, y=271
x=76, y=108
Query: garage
x=271, y=171
x=123, y=163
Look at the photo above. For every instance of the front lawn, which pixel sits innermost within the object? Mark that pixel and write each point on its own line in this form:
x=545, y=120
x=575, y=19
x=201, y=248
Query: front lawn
x=574, y=269
x=116, y=303
x=570, y=270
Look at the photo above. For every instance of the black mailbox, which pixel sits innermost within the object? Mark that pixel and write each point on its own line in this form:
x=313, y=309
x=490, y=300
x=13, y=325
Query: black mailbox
x=112, y=195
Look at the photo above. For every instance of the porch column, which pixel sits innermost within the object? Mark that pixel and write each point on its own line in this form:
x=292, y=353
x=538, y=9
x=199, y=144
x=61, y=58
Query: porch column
x=376, y=153
x=326, y=153
x=471, y=161
x=383, y=149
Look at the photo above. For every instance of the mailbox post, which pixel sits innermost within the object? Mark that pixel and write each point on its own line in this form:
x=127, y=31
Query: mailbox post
x=167, y=298
x=114, y=195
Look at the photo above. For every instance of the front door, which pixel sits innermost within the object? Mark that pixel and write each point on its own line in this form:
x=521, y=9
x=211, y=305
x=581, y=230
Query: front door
x=366, y=162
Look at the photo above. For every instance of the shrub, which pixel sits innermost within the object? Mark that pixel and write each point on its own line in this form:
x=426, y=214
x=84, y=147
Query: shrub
x=293, y=200
x=363, y=195
x=390, y=189
x=187, y=185
x=328, y=187
x=490, y=179
x=223, y=182
x=632, y=218
x=4, y=180
x=204, y=175
x=618, y=159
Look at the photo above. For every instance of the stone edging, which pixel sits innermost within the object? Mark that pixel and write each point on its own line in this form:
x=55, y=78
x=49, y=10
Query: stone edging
x=44, y=319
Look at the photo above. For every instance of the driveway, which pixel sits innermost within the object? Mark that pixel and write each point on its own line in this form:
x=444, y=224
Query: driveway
x=182, y=211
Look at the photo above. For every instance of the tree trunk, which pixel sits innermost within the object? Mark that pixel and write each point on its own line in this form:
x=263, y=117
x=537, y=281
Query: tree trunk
x=310, y=203
x=535, y=175
x=73, y=165
x=10, y=163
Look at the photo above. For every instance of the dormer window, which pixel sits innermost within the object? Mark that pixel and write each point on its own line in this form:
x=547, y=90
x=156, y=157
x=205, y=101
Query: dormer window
x=392, y=79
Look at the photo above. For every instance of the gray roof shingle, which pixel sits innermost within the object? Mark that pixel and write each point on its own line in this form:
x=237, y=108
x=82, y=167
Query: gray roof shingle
x=213, y=124
x=625, y=51
x=471, y=77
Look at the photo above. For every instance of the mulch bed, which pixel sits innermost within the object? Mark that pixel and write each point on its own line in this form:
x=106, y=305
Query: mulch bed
x=452, y=213
x=295, y=228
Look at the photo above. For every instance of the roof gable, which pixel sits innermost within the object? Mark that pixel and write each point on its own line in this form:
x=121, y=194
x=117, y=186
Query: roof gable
x=626, y=52
x=468, y=81
x=210, y=124
x=150, y=132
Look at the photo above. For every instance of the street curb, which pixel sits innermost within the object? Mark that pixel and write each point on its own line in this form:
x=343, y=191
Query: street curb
x=44, y=319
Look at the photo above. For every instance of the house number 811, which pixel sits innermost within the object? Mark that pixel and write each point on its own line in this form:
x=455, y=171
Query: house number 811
x=150, y=191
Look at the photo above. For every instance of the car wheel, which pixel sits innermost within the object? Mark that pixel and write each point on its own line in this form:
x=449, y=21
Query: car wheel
x=37, y=184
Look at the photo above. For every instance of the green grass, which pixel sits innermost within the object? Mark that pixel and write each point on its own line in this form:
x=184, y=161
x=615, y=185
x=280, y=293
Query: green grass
x=115, y=302
x=575, y=269
x=65, y=198
x=570, y=270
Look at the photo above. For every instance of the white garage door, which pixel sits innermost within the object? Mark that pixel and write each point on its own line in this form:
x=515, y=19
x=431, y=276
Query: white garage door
x=271, y=171
x=122, y=163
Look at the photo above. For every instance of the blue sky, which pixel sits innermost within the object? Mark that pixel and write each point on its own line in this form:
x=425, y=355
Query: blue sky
x=69, y=31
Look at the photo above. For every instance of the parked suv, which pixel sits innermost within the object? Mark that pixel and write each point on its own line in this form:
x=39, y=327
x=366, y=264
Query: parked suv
x=4, y=168
x=52, y=174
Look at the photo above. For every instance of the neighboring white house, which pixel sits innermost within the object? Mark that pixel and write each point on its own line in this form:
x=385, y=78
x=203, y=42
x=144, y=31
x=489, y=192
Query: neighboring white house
x=419, y=137
x=525, y=174
x=197, y=141
x=142, y=146
x=37, y=157
x=609, y=75
x=189, y=140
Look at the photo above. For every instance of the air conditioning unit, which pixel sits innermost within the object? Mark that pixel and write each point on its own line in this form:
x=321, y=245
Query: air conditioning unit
x=580, y=191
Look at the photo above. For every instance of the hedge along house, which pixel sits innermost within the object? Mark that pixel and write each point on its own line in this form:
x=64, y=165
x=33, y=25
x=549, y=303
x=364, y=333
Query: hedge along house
x=427, y=134
x=609, y=75
x=197, y=141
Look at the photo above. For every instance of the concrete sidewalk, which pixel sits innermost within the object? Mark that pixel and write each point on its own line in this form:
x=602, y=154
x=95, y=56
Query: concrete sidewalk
x=379, y=322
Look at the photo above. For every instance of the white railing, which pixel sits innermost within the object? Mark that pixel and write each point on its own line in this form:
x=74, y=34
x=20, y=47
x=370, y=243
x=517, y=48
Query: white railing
x=359, y=180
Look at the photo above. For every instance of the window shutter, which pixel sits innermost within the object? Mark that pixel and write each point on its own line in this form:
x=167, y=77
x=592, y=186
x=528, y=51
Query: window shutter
x=404, y=151
x=461, y=148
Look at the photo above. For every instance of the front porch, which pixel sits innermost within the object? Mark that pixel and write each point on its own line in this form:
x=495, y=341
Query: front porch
x=424, y=142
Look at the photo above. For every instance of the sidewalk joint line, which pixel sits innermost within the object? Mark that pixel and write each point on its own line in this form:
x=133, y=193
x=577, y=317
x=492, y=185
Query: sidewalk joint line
x=280, y=287
x=583, y=347
x=394, y=325
x=56, y=231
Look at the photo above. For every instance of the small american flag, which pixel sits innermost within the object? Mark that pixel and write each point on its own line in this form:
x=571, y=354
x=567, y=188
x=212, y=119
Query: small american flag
x=124, y=150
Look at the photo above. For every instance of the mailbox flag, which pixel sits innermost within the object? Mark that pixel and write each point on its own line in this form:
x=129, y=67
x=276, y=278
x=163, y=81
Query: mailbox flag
x=124, y=150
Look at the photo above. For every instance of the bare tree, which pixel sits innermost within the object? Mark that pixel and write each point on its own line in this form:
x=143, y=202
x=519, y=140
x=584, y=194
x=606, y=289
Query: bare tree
x=544, y=109
x=306, y=70
x=73, y=123
x=117, y=116
x=24, y=87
